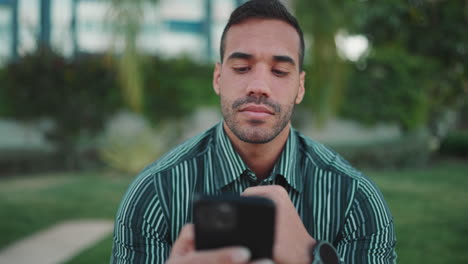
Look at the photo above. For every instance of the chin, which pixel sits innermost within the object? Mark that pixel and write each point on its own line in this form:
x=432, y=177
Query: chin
x=255, y=136
x=256, y=122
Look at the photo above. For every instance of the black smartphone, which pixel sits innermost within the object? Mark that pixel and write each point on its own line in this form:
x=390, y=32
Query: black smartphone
x=233, y=220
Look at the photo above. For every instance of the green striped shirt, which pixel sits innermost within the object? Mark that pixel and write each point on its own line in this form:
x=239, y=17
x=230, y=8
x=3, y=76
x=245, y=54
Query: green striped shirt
x=336, y=202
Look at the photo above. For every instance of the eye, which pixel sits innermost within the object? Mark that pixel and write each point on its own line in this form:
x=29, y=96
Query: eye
x=241, y=69
x=279, y=73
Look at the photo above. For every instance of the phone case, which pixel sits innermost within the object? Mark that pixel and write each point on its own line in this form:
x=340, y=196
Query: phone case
x=232, y=220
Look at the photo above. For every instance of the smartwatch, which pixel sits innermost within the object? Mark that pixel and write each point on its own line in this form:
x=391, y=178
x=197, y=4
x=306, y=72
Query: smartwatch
x=324, y=253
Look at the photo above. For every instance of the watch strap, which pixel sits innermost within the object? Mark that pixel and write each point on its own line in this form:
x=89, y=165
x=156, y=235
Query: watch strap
x=324, y=253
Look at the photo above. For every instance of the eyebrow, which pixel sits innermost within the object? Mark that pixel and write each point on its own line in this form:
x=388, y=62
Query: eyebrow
x=240, y=55
x=281, y=58
x=276, y=58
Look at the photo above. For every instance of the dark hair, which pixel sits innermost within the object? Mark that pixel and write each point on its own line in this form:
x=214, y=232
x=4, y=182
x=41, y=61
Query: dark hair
x=264, y=9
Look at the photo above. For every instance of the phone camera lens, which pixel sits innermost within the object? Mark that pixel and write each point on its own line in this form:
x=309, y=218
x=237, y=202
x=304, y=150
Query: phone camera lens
x=224, y=217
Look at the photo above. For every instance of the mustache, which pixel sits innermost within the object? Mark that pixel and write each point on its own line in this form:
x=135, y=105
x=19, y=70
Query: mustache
x=260, y=100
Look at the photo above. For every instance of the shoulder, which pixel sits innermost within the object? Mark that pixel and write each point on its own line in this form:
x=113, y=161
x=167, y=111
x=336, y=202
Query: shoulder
x=328, y=162
x=148, y=182
x=175, y=159
x=324, y=158
x=191, y=149
x=332, y=166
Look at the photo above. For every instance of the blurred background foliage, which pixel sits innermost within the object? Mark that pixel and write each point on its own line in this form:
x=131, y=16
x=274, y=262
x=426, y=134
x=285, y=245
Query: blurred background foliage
x=416, y=67
x=80, y=95
x=76, y=95
x=418, y=61
x=414, y=74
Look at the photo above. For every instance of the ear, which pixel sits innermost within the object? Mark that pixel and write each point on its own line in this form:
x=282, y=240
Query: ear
x=216, y=77
x=301, y=92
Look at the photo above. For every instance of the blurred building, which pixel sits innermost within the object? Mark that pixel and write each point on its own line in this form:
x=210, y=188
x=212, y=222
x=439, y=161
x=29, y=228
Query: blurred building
x=168, y=28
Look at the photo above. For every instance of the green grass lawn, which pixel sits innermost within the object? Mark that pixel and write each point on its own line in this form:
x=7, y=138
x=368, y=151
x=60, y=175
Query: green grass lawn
x=30, y=203
x=430, y=207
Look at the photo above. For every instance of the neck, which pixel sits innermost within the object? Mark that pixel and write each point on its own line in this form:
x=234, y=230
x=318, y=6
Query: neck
x=260, y=158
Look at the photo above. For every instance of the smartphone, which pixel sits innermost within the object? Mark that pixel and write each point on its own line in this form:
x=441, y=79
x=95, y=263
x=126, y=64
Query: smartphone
x=233, y=220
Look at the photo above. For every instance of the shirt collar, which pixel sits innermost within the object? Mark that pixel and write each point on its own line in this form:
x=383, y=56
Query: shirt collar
x=288, y=163
x=232, y=166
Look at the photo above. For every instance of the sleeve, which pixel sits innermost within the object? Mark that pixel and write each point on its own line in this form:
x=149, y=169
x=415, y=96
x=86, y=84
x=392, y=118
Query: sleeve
x=140, y=231
x=368, y=233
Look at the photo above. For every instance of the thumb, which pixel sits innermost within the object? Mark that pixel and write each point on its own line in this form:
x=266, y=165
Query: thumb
x=227, y=255
x=185, y=243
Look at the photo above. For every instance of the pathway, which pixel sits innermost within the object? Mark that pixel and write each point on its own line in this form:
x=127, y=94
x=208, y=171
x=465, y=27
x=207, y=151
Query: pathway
x=56, y=244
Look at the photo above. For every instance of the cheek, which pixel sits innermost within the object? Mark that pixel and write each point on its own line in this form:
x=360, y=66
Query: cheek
x=225, y=100
x=286, y=91
x=230, y=88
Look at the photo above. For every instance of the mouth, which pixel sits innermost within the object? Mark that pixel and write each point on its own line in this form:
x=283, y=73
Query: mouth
x=256, y=111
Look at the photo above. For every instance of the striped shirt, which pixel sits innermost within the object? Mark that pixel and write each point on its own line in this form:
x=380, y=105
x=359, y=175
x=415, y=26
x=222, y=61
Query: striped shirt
x=336, y=203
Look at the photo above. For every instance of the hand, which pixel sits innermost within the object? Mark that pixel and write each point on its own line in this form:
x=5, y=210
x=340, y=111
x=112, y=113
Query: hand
x=292, y=241
x=183, y=251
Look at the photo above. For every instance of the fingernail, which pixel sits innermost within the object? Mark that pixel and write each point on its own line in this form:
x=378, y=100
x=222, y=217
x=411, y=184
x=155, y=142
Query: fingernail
x=263, y=261
x=240, y=255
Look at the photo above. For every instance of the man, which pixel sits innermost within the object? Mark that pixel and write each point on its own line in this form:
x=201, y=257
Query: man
x=254, y=151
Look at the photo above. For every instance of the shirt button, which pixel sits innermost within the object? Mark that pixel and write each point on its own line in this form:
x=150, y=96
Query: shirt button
x=266, y=182
x=252, y=177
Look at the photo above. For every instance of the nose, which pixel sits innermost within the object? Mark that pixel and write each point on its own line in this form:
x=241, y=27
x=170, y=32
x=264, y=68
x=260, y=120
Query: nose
x=258, y=84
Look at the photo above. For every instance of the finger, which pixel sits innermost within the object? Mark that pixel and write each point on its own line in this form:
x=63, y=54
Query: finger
x=268, y=191
x=231, y=255
x=255, y=191
x=185, y=243
x=262, y=261
x=265, y=189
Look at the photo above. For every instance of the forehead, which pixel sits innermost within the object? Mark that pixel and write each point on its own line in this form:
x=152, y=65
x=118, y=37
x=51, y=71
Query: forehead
x=263, y=37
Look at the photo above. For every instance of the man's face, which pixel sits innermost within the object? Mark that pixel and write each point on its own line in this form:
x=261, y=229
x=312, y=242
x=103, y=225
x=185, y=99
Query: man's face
x=259, y=81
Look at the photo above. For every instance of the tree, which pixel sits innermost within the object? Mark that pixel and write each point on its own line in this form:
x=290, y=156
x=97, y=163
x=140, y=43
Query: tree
x=416, y=68
x=126, y=16
x=419, y=50
x=326, y=71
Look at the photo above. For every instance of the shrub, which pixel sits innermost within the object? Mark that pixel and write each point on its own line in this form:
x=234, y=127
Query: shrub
x=455, y=144
x=408, y=151
x=391, y=88
x=76, y=95
x=175, y=88
x=129, y=143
